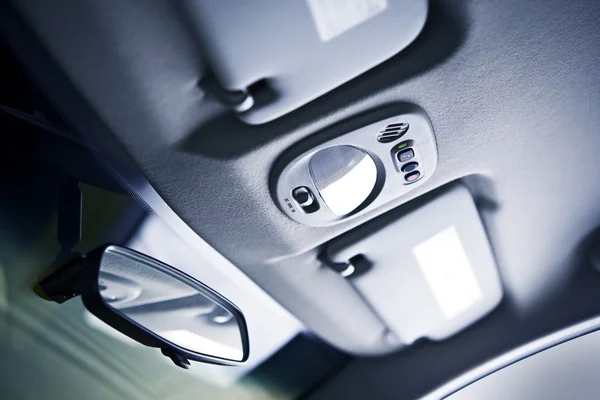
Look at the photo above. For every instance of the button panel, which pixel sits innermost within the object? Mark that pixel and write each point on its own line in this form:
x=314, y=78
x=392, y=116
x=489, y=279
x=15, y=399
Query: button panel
x=412, y=177
x=406, y=155
x=409, y=167
x=380, y=157
x=407, y=161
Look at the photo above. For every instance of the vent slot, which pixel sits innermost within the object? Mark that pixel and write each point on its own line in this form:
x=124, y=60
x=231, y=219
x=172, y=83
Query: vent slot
x=392, y=132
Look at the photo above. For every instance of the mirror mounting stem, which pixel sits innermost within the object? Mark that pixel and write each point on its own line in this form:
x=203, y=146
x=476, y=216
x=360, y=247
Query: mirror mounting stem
x=62, y=284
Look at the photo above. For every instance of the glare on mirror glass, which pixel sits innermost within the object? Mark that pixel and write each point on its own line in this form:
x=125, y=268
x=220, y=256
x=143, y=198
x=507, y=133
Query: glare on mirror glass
x=345, y=176
x=169, y=307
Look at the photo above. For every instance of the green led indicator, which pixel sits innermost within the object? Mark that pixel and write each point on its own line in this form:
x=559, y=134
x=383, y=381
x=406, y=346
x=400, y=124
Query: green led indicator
x=402, y=145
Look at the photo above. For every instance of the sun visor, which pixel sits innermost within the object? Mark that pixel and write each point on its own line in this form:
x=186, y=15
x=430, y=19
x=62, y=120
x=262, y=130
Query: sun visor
x=430, y=273
x=267, y=58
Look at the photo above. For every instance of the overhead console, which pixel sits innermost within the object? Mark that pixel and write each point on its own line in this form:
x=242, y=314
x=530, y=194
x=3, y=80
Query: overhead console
x=358, y=170
x=425, y=270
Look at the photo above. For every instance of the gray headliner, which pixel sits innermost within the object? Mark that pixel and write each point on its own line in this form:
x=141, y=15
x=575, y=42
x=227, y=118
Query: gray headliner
x=512, y=91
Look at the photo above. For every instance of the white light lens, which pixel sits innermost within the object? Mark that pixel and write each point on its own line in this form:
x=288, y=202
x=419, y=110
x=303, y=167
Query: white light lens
x=448, y=272
x=345, y=195
x=345, y=177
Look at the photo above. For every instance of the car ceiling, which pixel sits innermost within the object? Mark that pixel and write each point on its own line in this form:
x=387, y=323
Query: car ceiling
x=512, y=91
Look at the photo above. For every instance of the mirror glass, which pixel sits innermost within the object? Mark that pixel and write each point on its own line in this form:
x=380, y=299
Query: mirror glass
x=345, y=176
x=169, y=304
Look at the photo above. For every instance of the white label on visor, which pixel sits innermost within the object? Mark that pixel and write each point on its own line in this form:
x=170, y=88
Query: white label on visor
x=448, y=272
x=334, y=17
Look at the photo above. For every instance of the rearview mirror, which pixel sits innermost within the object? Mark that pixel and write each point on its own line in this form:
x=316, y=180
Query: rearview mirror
x=155, y=304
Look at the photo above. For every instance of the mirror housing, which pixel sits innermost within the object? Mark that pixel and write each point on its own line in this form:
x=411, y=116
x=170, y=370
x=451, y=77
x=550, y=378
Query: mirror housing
x=140, y=296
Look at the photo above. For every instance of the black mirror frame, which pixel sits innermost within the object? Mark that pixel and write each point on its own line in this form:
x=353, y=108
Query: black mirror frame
x=94, y=303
